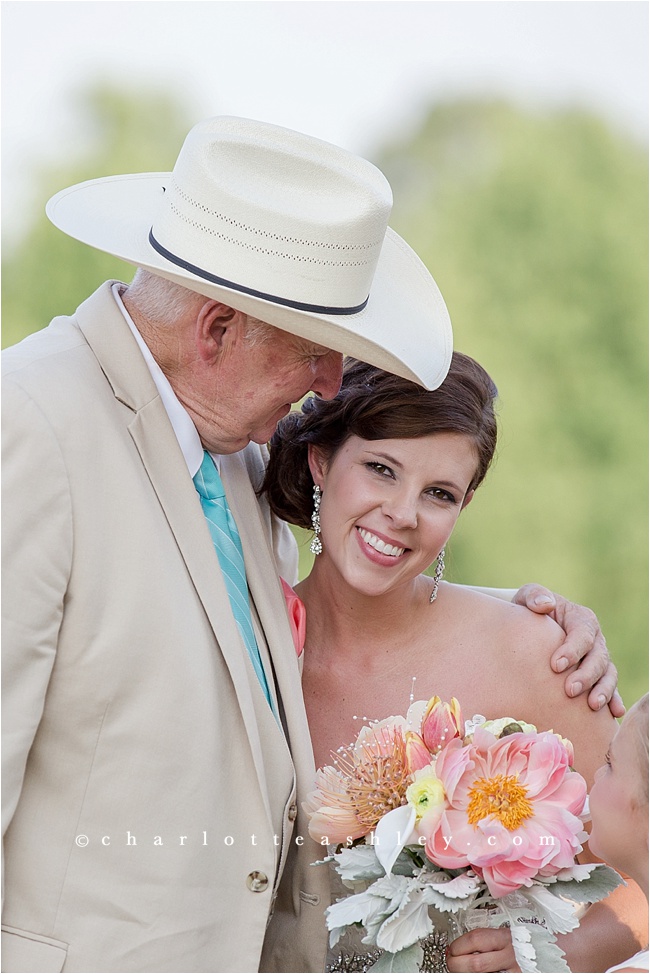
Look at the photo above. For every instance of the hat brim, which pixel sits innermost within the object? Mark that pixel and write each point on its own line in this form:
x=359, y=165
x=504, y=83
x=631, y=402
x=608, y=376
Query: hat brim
x=404, y=328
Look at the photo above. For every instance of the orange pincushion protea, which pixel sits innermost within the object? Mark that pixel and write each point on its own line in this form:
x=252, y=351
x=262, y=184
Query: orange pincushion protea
x=368, y=779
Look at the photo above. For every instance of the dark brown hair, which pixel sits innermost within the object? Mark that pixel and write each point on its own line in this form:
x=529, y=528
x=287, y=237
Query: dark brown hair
x=376, y=405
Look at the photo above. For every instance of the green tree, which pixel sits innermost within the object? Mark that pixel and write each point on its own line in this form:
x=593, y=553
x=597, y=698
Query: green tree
x=535, y=227
x=48, y=273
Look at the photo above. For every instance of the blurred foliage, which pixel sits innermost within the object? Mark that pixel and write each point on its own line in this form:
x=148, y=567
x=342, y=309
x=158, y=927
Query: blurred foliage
x=535, y=228
x=48, y=273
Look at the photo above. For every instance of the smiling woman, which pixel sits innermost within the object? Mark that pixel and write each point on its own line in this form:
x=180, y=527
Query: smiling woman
x=395, y=465
x=375, y=405
x=389, y=506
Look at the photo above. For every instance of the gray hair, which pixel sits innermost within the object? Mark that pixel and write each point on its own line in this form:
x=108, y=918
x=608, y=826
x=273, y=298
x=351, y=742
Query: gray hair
x=165, y=303
x=162, y=301
x=258, y=332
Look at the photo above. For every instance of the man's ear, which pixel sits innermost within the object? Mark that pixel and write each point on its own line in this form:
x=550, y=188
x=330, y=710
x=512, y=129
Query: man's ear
x=217, y=326
x=317, y=464
x=468, y=497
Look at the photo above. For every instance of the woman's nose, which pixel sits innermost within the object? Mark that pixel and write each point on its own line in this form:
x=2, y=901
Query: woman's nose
x=401, y=508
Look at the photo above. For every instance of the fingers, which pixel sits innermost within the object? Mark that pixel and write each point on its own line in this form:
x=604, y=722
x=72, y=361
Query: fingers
x=603, y=689
x=594, y=671
x=536, y=598
x=481, y=950
x=583, y=639
x=616, y=705
x=496, y=960
x=585, y=645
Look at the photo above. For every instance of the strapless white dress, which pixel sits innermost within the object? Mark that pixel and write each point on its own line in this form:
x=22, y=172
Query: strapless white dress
x=639, y=961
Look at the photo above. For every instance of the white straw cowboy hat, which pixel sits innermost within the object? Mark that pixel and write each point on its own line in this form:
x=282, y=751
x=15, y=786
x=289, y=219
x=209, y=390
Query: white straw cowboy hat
x=279, y=225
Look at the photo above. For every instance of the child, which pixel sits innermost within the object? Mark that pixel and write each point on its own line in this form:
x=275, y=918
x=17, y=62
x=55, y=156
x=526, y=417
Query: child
x=618, y=803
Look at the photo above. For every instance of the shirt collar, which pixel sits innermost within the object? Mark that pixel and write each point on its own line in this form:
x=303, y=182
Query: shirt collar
x=185, y=430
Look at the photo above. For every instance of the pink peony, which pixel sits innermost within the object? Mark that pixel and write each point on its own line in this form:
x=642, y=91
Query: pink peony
x=512, y=811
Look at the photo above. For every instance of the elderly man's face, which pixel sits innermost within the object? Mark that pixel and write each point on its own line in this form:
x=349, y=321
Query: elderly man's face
x=257, y=382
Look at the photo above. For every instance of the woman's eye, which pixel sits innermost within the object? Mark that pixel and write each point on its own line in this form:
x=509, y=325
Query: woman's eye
x=442, y=495
x=381, y=469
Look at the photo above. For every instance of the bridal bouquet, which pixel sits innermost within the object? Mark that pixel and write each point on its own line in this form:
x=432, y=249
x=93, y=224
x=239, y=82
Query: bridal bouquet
x=428, y=817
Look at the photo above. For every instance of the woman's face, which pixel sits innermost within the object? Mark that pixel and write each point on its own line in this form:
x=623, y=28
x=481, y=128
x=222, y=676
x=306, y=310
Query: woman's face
x=618, y=812
x=389, y=506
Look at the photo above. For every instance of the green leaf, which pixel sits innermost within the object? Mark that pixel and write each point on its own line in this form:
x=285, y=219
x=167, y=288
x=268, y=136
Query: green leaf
x=534, y=945
x=548, y=956
x=358, y=863
x=559, y=916
x=406, y=960
x=600, y=884
x=407, y=925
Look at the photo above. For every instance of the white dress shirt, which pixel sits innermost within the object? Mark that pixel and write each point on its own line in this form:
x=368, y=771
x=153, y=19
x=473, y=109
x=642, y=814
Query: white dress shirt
x=185, y=430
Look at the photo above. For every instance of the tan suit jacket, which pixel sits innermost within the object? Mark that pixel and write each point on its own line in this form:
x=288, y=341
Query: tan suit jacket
x=150, y=797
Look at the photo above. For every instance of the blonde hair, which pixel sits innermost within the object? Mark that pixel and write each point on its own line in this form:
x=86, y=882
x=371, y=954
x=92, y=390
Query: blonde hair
x=638, y=717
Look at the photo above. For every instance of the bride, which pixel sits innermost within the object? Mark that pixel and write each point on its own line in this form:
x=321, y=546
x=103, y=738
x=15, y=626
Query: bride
x=382, y=472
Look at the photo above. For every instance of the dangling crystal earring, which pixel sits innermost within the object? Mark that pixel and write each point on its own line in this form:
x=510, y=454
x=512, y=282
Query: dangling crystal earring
x=437, y=575
x=316, y=545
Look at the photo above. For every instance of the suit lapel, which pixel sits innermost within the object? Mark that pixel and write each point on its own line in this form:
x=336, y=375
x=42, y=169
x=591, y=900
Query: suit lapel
x=109, y=336
x=300, y=877
x=264, y=583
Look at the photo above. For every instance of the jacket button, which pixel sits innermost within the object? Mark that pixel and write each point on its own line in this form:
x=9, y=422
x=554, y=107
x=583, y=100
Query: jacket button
x=257, y=882
x=292, y=813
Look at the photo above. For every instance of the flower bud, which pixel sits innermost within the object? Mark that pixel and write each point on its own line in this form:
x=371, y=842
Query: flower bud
x=441, y=723
x=417, y=753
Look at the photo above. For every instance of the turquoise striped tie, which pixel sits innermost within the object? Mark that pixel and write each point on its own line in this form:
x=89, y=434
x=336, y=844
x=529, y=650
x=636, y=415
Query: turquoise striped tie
x=227, y=543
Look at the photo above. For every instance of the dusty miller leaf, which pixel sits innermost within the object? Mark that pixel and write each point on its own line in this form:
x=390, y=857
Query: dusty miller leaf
x=406, y=961
x=409, y=924
x=602, y=881
x=559, y=916
x=548, y=956
x=358, y=863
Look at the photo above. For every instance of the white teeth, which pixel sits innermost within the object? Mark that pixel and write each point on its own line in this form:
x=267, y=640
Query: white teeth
x=379, y=545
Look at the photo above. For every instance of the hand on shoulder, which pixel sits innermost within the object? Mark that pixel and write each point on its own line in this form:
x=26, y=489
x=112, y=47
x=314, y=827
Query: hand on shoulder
x=515, y=647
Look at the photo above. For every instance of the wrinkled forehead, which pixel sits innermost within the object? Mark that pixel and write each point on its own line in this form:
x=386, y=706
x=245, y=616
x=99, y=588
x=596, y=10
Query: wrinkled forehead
x=286, y=338
x=304, y=347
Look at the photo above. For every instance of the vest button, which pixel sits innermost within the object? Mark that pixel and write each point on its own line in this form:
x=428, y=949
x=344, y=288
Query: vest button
x=292, y=812
x=257, y=882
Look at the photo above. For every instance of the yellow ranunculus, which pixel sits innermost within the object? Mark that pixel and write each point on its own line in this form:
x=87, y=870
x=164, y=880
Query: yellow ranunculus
x=426, y=794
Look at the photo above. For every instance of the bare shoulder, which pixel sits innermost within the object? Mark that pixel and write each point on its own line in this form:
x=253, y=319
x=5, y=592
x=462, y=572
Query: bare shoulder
x=509, y=628
x=515, y=647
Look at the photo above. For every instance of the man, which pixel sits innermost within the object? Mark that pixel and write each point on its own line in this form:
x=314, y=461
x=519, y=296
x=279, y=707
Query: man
x=156, y=742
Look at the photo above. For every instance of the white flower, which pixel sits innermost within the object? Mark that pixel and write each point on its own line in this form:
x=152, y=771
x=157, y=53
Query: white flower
x=470, y=725
x=394, y=830
x=496, y=727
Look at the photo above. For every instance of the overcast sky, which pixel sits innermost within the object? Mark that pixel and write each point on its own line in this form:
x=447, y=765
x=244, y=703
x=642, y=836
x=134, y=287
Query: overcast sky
x=353, y=73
